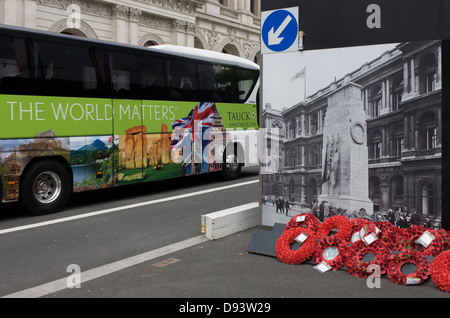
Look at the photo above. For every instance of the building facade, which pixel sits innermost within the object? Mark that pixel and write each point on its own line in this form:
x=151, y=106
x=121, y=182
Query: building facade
x=230, y=26
x=401, y=93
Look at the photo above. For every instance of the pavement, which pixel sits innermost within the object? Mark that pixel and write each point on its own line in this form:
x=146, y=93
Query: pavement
x=215, y=271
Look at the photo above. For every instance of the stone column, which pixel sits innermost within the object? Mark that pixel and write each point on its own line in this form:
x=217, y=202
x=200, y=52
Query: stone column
x=439, y=132
x=406, y=135
x=29, y=14
x=345, y=171
x=134, y=26
x=405, y=79
x=190, y=34
x=388, y=96
x=413, y=77
x=8, y=12
x=179, y=32
x=119, y=23
x=302, y=124
x=439, y=68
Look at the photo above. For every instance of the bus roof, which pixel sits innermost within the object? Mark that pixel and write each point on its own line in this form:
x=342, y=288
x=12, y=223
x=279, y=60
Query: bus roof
x=204, y=55
x=182, y=51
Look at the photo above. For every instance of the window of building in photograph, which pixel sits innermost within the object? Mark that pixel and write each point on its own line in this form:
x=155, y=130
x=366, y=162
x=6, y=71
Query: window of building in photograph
x=428, y=131
x=375, y=101
x=427, y=198
x=397, y=147
x=396, y=93
x=397, y=141
x=428, y=73
x=315, y=155
x=396, y=187
x=375, y=145
x=291, y=187
x=314, y=123
x=291, y=132
x=374, y=188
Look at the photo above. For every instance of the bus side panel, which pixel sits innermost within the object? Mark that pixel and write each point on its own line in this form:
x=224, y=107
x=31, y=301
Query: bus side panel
x=94, y=162
x=26, y=116
x=241, y=123
x=16, y=154
x=83, y=127
x=144, y=130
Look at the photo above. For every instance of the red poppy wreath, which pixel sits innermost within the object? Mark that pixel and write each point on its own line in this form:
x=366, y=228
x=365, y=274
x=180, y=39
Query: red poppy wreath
x=326, y=242
x=389, y=233
x=304, y=220
x=396, y=261
x=445, y=237
x=283, y=249
x=412, y=234
x=339, y=222
x=440, y=271
x=355, y=253
x=362, y=227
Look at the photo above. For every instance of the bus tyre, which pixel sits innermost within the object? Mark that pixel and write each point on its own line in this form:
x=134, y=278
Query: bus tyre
x=45, y=187
x=231, y=167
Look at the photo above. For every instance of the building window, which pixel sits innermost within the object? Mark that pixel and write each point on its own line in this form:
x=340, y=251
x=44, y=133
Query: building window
x=430, y=138
x=396, y=93
x=374, y=188
x=397, y=147
x=314, y=123
x=428, y=131
x=291, y=188
x=427, y=198
x=375, y=101
x=375, y=146
x=428, y=73
x=291, y=131
x=397, y=187
x=315, y=156
x=294, y=158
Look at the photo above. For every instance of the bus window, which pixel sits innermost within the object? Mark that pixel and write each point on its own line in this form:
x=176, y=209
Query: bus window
x=182, y=79
x=69, y=70
x=246, y=80
x=136, y=76
x=208, y=86
x=14, y=71
x=225, y=82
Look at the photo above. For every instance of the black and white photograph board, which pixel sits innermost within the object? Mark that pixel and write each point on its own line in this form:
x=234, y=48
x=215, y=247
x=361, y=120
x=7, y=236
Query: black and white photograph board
x=353, y=122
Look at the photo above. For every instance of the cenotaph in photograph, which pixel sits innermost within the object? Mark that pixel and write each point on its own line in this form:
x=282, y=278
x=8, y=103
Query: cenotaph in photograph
x=345, y=173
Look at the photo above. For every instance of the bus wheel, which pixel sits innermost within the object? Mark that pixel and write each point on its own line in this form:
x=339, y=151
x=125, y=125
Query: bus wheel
x=231, y=167
x=45, y=187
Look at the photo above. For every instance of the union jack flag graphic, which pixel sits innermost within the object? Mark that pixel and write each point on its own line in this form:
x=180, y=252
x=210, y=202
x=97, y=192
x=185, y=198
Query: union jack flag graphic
x=200, y=117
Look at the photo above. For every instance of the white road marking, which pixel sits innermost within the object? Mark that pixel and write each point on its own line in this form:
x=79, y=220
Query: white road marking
x=61, y=284
x=94, y=273
x=125, y=207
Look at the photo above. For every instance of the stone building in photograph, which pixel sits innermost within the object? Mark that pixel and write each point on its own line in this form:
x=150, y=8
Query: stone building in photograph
x=401, y=98
x=230, y=26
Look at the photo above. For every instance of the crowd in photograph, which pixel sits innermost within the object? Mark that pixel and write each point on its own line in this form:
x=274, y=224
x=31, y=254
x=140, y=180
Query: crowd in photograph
x=401, y=217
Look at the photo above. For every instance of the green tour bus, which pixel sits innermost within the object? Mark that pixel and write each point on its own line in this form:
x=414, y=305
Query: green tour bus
x=79, y=114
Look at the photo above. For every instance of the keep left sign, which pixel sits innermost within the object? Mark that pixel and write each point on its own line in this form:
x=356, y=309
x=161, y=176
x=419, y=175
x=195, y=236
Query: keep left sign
x=279, y=31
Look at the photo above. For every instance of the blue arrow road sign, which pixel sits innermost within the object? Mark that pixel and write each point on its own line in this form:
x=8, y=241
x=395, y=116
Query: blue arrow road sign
x=279, y=32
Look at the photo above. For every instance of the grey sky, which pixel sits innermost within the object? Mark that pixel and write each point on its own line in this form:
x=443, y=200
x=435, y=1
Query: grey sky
x=322, y=67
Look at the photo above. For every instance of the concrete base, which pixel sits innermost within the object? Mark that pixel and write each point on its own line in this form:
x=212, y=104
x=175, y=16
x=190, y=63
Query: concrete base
x=226, y=222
